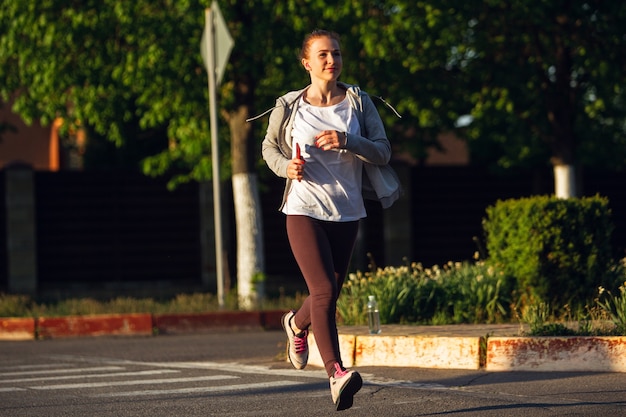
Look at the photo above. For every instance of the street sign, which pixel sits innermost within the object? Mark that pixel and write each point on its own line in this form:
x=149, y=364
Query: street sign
x=216, y=43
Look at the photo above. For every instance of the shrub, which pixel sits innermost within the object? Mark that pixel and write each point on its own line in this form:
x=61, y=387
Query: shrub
x=557, y=250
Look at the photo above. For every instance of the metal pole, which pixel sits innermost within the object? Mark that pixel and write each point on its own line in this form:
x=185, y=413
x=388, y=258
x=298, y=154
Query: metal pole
x=217, y=206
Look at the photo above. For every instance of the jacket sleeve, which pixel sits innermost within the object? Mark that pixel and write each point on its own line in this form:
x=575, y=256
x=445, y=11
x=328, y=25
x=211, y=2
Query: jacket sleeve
x=271, y=150
x=372, y=146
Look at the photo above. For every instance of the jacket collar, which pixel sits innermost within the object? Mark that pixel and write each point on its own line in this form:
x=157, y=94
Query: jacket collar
x=289, y=98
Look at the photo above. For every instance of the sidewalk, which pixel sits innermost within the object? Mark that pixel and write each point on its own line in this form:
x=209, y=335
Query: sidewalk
x=498, y=347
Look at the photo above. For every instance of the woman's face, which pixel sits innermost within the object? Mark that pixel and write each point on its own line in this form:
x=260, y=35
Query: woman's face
x=324, y=61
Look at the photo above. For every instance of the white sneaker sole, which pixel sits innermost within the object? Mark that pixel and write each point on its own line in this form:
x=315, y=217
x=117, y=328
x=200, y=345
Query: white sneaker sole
x=346, y=396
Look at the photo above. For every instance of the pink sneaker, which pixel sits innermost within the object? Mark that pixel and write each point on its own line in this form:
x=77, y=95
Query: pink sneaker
x=343, y=385
x=298, y=349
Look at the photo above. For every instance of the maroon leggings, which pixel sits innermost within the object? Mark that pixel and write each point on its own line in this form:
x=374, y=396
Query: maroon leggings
x=323, y=250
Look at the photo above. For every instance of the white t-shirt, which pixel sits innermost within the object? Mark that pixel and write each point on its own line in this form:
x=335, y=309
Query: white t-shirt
x=331, y=185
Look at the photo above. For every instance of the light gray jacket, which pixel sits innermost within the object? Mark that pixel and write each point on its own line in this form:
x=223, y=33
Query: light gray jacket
x=372, y=147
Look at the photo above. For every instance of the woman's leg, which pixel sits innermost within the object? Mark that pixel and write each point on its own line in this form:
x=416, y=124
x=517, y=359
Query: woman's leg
x=322, y=251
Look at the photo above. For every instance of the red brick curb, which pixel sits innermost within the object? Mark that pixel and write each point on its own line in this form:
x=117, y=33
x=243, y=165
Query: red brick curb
x=185, y=323
x=17, y=328
x=270, y=320
x=135, y=324
x=234, y=320
x=97, y=325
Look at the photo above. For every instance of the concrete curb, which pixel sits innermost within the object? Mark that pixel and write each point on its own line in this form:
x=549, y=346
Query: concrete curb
x=436, y=352
x=571, y=354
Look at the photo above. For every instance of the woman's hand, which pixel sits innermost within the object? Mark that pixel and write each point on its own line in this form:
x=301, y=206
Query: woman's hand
x=295, y=169
x=296, y=166
x=330, y=139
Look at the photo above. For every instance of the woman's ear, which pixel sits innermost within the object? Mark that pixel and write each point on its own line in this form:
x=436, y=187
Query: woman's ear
x=306, y=65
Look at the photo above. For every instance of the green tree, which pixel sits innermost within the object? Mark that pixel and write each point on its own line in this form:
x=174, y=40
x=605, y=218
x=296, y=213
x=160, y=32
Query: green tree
x=541, y=81
x=131, y=71
x=554, y=73
x=125, y=71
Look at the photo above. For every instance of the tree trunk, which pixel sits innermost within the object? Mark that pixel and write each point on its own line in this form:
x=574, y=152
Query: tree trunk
x=561, y=115
x=250, y=251
x=565, y=181
x=250, y=262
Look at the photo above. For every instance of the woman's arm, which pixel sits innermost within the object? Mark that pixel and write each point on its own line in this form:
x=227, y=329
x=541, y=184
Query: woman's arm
x=372, y=145
x=271, y=151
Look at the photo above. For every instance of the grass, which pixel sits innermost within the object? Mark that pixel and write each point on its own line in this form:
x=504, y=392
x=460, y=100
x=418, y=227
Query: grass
x=24, y=306
x=595, y=320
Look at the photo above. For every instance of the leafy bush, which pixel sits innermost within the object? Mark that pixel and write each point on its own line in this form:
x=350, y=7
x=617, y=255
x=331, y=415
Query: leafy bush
x=455, y=293
x=557, y=250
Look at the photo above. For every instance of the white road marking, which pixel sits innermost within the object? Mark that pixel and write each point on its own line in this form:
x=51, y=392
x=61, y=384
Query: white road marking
x=193, y=390
x=235, y=367
x=136, y=382
x=11, y=389
x=49, y=365
x=63, y=371
x=317, y=373
x=112, y=374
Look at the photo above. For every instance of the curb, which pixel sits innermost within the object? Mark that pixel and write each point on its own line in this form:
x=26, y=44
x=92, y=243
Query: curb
x=435, y=352
x=439, y=351
x=571, y=354
x=541, y=354
x=97, y=325
x=134, y=324
x=17, y=328
x=231, y=320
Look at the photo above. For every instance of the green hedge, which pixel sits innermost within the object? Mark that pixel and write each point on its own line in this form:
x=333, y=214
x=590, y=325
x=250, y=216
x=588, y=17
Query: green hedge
x=556, y=250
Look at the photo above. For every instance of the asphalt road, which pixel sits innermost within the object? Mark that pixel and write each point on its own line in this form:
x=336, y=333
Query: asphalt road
x=244, y=374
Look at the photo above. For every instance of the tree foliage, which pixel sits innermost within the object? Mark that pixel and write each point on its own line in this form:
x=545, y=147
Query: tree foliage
x=125, y=71
x=539, y=79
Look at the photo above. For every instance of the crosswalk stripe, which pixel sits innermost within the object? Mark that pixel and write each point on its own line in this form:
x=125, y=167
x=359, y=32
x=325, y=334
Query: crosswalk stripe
x=112, y=374
x=193, y=390
x=63, y=371
x=238, y=368
x=11, y=389
x=135, y=382
x=49, y=365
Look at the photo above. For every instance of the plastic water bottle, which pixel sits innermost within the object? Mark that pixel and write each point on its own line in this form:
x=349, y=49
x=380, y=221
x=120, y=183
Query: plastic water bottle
x=373, y=316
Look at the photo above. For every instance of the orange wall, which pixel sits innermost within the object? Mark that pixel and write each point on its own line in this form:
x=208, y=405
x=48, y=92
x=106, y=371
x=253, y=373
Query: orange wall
x=29, y=144
x=454, y=151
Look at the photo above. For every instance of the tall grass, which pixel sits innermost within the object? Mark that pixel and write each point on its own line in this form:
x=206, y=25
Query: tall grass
x=614, y=306
x=24, y=306
x=458, y=292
